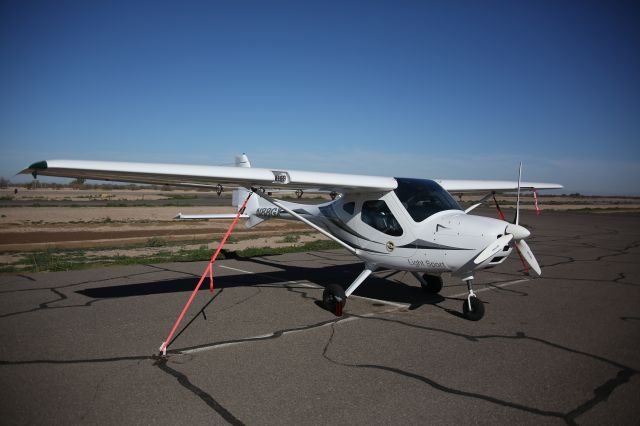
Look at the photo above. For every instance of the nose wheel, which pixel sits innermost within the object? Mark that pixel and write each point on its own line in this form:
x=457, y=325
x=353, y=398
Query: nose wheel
x=472, y=308
x=334, y=299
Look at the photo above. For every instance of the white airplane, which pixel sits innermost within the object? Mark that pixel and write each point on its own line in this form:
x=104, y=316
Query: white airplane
x=396, y=223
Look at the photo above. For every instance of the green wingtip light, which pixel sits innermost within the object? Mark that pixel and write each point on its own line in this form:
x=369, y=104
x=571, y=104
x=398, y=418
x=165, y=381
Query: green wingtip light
x=40, y=165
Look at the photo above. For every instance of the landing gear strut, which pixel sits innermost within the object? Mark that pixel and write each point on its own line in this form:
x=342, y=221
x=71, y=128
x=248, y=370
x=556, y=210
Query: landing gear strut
x=431, y=284
x=472, y=308
x=334, y=297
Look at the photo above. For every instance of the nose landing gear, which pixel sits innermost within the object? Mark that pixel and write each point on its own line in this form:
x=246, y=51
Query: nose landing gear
x=472, y=308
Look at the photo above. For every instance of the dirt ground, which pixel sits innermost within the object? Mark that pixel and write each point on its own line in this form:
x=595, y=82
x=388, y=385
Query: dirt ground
x=82, y=225
x=86, y=226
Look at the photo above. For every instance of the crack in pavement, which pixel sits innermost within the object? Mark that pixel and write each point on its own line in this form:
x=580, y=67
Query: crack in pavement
x=269, y=336
x=435, y=384
x=78, y=361
x=620, y=252
x=159, y=362
x=45, y=305
x=184, y=381
x=601, y=393
x=570, y=260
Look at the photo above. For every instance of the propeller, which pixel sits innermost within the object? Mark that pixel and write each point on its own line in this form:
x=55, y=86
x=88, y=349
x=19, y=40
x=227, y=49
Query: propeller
x=514, y=231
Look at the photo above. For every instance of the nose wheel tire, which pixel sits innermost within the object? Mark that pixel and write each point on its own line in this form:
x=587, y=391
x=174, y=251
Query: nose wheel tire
x=477, y=309
x=433, y=283
x=334, y=299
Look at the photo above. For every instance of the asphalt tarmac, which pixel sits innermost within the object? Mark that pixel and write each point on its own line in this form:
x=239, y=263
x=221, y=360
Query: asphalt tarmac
x=80, y=347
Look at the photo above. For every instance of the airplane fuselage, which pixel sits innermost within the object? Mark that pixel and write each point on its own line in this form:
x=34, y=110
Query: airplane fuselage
x=386, y=235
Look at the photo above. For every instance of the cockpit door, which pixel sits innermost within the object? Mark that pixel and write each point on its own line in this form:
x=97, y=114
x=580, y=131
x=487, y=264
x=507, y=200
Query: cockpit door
x=382, y=225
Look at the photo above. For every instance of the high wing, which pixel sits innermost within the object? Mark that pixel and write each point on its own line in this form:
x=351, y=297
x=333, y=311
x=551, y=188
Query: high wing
x=213, y=176
x=454, y=185
x=210, y=176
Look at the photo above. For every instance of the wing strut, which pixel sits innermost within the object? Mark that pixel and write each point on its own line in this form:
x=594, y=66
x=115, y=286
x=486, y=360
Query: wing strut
x=207, y=272
x=302, y=219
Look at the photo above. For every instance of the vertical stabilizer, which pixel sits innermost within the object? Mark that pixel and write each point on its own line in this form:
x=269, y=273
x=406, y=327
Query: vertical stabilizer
x=242, y=161
x=255, y=204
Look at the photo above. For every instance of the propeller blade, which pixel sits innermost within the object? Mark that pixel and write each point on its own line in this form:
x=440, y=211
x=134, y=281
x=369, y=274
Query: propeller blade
x=517, y=219
x=526, y=252
x=525, y=265
x=472, y=207
x=493, y=248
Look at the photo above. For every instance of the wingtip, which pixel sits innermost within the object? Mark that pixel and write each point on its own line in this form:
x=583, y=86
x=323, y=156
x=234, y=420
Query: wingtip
x=34, y=168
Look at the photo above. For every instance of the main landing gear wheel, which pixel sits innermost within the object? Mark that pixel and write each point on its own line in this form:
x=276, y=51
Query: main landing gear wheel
x=433, y=283
x=477, y=309
x=334, y=299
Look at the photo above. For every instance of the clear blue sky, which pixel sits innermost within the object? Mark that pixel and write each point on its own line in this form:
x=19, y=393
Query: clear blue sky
x=447, y=89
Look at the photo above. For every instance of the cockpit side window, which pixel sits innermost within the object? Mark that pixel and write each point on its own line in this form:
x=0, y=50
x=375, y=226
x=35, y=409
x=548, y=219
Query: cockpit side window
x=376, y=214
x=423, y=198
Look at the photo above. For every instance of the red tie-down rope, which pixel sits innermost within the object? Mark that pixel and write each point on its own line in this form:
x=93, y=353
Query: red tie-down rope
x=535, y=199
x=498, y=207
x=207, y=272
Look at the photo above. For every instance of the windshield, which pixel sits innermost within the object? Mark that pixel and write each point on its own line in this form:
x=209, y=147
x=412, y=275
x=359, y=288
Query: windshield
x=423, y=197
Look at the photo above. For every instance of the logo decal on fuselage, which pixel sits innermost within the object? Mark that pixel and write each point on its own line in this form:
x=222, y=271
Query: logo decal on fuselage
x=427, y=264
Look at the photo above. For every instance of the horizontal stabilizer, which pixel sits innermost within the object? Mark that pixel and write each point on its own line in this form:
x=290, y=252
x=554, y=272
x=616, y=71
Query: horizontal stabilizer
x=181, y=216
x=254, y=221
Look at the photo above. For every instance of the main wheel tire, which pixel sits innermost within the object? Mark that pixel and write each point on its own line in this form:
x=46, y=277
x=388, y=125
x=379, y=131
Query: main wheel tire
x=477, y=309
x=334, y=299
x=434, y=283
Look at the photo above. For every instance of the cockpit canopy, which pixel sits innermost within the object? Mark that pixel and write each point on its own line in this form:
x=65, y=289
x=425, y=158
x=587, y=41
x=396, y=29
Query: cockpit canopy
x=422, y=198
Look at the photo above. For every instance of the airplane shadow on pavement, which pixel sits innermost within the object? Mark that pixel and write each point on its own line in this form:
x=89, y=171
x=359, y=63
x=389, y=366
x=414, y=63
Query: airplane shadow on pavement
x=384, y=285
